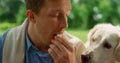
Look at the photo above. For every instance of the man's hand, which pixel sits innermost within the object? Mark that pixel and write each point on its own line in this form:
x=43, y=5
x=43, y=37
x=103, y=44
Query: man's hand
x=62, y=51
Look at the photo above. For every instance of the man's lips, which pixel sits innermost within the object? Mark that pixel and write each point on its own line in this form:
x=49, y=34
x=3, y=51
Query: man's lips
x=56, y=34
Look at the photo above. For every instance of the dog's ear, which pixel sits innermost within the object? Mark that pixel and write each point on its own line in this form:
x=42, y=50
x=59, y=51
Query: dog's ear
x=117, y=51
x=91, y=33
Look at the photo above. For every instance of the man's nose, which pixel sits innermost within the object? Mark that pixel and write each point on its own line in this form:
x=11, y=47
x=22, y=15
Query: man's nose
x=64, y=23
x=86, y=58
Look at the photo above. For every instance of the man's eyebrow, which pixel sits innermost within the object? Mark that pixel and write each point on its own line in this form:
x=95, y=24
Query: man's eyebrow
x=61, y=10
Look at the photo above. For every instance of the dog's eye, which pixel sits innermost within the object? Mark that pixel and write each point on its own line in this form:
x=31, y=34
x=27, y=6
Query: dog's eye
x=92, y=39
x=107, y=45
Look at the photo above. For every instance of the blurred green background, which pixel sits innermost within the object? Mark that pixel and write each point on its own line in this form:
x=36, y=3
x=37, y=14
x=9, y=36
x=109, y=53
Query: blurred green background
x=84, y=15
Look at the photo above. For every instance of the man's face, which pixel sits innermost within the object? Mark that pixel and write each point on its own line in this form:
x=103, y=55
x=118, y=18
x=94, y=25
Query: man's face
x=52, y=20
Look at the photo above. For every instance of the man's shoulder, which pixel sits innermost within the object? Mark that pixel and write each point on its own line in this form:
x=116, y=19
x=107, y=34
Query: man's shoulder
x=2, y=37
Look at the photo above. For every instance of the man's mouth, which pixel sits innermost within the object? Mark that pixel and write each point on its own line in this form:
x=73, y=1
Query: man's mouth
x=54, y=35
x=57, y=34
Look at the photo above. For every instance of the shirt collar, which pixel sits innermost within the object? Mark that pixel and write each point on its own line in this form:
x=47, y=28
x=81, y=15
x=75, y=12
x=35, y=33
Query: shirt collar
x=28, y=42
x=30, y=46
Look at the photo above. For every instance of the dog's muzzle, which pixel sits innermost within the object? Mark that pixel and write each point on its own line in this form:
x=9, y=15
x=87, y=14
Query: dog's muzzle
x=86, y=58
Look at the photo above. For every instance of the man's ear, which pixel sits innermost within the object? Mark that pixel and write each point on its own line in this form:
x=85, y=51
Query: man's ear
x=30, y=15
x=117, y=51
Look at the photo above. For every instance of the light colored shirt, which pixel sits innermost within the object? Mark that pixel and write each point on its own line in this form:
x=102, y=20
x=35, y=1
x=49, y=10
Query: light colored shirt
x=32, y=54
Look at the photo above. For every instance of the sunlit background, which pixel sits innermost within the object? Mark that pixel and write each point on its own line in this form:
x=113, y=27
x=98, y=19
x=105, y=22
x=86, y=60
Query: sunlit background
x=84, y=15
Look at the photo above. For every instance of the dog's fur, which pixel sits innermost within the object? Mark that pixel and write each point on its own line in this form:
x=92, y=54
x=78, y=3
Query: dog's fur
x=103, y=45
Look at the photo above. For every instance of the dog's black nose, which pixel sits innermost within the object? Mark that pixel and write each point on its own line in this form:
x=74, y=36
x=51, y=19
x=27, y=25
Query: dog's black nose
x=85, y=58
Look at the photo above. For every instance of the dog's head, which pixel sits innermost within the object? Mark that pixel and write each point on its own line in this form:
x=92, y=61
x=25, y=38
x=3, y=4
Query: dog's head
x=104, y=46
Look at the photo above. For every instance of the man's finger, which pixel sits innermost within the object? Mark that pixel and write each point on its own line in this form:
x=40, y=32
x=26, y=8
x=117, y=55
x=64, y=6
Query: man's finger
x=65, y=43
x=60, y=46
x=52, y=53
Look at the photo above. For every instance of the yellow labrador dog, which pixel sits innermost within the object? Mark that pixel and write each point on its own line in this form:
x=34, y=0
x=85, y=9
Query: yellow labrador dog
x=103, y=45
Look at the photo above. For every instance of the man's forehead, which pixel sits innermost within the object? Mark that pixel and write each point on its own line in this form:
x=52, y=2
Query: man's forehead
x=60, y=3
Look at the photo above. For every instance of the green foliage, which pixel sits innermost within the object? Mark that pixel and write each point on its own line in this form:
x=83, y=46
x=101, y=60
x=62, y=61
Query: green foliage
x=21, y=15
x=87, y=13
x=5, y=26
x=80, y=33
x=8, y=9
